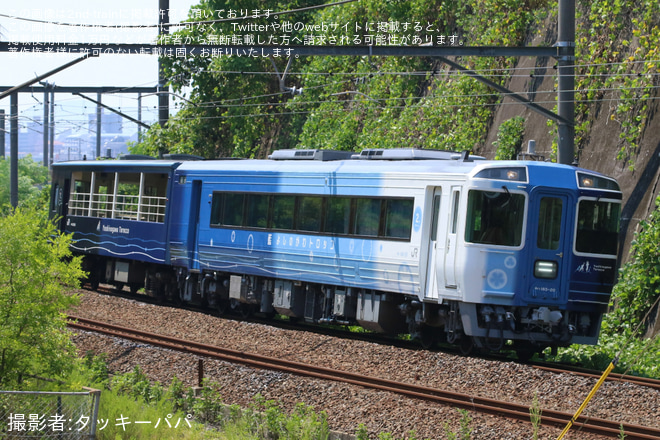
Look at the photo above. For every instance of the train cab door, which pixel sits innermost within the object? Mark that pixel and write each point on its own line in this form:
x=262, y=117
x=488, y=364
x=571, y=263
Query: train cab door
x=193, y=224
x=60, y=200
x=435, y=249
x=452, y=237
x=551, y=223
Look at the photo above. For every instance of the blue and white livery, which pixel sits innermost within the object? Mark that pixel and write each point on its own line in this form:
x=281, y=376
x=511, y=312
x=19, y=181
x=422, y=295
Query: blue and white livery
x=432, y=243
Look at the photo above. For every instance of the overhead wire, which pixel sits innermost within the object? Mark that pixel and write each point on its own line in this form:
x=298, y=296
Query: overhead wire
x=168, y=25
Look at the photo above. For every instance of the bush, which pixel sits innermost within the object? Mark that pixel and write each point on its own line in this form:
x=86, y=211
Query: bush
x=36, y=269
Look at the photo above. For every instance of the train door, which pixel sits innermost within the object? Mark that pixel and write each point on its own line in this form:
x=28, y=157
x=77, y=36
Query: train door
x=551, y=224
x=452, y=236
x=60, y=201
x=434, y=248
x=193, y=224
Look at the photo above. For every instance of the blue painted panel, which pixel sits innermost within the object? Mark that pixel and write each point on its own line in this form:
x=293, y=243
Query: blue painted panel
x=142, y=241
x=502, y=275
x=313, y=258
x=592, y=279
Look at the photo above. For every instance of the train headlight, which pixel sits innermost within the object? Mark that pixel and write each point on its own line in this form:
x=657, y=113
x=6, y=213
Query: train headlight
x=545, y=269
x=587, y=182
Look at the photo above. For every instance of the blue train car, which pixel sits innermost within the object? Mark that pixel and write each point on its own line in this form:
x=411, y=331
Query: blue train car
x=441, y=245
x=118, y=214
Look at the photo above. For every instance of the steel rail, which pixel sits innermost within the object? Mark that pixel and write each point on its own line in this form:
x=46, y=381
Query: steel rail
x=613, y=377
x=465, y=401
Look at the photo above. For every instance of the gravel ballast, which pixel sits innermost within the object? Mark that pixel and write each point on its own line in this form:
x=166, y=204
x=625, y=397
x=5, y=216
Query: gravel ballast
x=349, y=406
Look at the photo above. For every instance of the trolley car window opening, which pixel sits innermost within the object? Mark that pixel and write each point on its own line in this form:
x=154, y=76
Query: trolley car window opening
x=128, y=194
x=389, y=218
x=597, y=227
x=80, y=193
x=549, y=223
x=495, y=218
x=123, y=196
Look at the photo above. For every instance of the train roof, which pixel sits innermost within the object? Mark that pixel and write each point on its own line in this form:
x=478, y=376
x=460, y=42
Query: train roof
x=97, y=165
x=395, y=162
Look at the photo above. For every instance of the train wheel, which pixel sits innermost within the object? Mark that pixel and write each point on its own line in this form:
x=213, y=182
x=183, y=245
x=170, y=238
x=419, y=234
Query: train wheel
x=524, y=350
x=94, y=283
x=466, y=345
x=222, y=306
x=245, y=310
x=427, y=337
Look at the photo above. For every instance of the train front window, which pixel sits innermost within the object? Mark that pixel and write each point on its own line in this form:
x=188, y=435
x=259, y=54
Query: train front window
x=495, y=218
x=597, y=227
x=549, y=228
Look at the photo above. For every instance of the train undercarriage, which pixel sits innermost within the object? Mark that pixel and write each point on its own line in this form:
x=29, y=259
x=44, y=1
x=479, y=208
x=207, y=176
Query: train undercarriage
x=468, y=326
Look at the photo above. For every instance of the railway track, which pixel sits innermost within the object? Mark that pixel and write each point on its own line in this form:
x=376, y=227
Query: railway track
x=470, y=402
x=612, y=377
x=383, y=339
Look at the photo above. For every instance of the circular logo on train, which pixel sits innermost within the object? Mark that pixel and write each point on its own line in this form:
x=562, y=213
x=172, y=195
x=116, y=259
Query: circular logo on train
x=417, y=219
x=496, y=279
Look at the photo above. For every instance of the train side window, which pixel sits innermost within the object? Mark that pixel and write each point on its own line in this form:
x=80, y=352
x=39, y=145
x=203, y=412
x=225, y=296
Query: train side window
x=436, y=216
x=232, y=209
x=398, y=218
x=216, y=209
x=598, y=227
x=153, y=198
x=283, y=212
x=495, y=218
x=549, y=224
x=257, y=210
x=338, y=215
x=309, y=213
x=79, y=198
x=103, y=195
x=454, y=216
x=367, y=217
x=127, y=197
x=55, y=191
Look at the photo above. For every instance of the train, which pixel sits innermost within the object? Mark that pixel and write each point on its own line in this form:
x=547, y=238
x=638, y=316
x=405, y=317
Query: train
x=442, y=246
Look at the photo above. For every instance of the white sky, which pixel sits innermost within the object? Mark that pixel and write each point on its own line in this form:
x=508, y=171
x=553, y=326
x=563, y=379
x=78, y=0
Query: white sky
x=108, y=70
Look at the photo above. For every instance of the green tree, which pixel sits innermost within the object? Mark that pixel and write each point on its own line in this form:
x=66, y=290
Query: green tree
x=36, y=268
x=509, y=138
x=32, y=178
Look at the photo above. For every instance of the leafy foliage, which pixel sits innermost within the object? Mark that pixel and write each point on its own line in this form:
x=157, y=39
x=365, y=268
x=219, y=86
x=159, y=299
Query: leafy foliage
x=639, y=282
x=617, y=45
x=35, y=270
x=636, y=291
x=509, y=138
x=349, y=103
x=32, y=178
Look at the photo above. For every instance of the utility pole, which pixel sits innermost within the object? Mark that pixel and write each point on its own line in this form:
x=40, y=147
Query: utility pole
x=566, y=82
x=51, y=128
x=139, y=127
x=98, y=124
x=46, y=123
x=13, y=149
x=2, y=133
x=163, y=98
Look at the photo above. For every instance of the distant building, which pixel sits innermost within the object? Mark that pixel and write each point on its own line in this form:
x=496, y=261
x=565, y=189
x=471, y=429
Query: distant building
x=69, y=144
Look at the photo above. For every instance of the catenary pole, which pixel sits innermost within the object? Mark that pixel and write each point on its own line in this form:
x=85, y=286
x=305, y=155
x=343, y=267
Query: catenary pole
x=566, y=81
